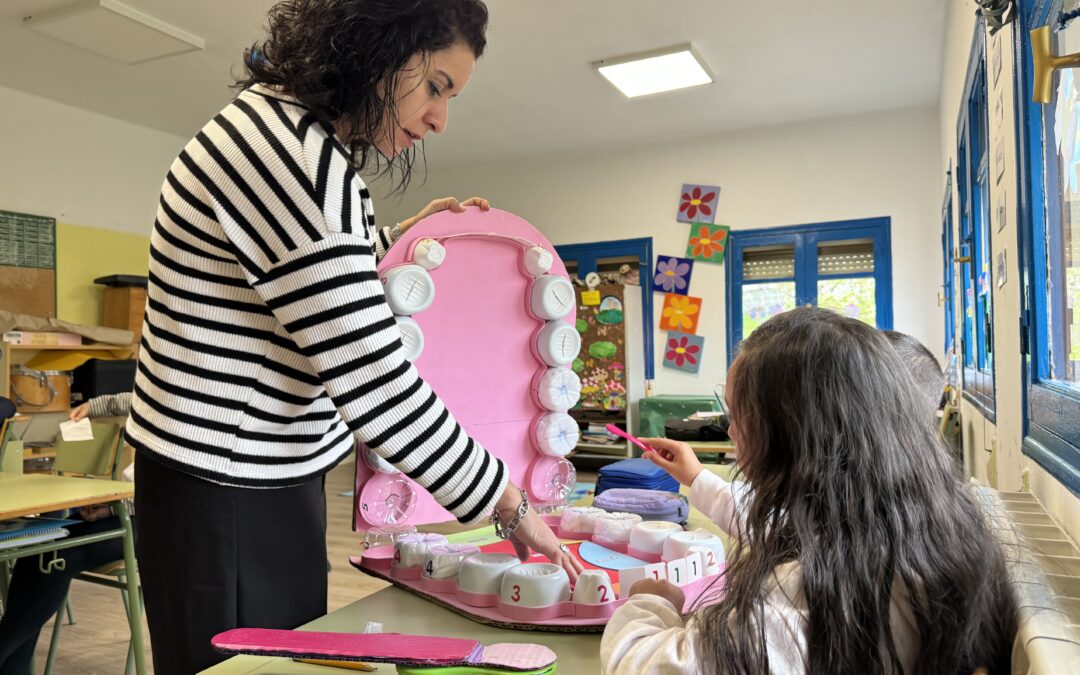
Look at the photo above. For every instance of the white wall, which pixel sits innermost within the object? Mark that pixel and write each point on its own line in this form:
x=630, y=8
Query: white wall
x=80, y=167
x=880, y=164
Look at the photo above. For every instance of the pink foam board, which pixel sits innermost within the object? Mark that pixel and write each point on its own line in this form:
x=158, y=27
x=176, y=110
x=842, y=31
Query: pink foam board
x=478, y=332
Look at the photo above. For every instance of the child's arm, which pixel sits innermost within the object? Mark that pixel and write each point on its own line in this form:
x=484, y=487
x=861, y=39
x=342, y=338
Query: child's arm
x=647, y=635
x=724, y=503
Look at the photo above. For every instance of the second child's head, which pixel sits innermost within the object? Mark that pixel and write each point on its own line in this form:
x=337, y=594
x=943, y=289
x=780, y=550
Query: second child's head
x=923, y=366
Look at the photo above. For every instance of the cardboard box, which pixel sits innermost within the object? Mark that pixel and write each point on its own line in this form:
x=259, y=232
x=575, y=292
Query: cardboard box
x=42, y=339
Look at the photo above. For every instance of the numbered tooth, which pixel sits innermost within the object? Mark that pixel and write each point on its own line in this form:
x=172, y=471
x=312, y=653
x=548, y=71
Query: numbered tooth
x=679, y=543
x=556, y=434
x=593, y=587
x=538, y=260
x=412, y=337
x=552, y=297
x=559, y=389
x=615, y=528
x=429, y=254
x=443, y=562
x=409, y=289
x=482, y=573
x=580, y=519
x=649, y=536
x=710, y=563
x=410, y=550
x=535, y=585
x=677, y=572
x=558, y=344
x=377, y=463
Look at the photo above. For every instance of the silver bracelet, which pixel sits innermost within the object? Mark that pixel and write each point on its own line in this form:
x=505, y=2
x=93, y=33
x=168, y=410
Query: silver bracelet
x=506, y=531
x=395, y=231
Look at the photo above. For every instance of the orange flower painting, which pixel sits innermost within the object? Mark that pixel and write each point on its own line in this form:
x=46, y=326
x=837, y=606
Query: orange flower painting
x=707, y=243
x=681, y=313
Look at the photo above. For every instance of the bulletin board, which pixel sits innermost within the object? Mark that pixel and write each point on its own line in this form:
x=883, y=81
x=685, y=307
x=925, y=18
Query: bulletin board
x=27, y=264
x=601, y=364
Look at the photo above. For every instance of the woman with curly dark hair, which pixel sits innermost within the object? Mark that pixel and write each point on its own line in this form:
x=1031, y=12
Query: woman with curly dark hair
x=268, y=349
x=858, y=547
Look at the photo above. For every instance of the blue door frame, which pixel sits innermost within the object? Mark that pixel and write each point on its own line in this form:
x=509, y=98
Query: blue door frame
x=586, y=256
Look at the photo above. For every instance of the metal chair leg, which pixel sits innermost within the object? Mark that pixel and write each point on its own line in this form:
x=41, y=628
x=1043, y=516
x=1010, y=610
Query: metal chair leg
x=70, y=611
x=54, y=642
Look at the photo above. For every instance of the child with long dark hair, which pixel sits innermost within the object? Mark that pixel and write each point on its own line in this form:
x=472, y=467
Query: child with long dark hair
x=858, y=548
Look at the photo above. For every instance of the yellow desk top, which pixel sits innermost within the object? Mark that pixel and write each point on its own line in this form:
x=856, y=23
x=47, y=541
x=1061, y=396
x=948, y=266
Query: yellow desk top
x=712, y=447
x=27, y=494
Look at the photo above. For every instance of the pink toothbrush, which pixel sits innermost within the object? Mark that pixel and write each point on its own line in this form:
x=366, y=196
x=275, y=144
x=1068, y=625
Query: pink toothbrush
x=633, y=439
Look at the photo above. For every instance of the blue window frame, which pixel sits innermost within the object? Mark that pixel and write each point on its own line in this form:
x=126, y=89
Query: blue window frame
x=846, y=265
x=1049, y=244
x=948, y=278
x=973, y=201
x=585, y=258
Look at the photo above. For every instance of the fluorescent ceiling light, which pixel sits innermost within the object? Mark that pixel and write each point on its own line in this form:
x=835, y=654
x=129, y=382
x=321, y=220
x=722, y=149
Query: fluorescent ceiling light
x=653, y=72
x=114, y=30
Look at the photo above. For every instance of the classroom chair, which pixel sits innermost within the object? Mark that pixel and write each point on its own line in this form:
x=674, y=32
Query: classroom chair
x=99, y=457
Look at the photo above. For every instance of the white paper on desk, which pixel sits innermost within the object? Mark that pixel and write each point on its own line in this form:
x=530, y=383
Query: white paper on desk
x=77, y=431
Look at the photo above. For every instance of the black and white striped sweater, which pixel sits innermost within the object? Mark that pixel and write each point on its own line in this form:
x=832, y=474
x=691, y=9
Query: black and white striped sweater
x=267, y=344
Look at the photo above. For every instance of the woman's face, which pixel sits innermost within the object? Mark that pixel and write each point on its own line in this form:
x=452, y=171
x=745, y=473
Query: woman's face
x=423, y=95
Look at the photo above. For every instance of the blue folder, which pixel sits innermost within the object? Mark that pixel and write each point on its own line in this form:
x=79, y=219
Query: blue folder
x=635, y=473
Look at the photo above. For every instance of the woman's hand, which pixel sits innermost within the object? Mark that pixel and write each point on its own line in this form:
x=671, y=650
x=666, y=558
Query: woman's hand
x=675, y=457
x=665, y=589
x=444, y=204
x=533, y=533
x=80, y=413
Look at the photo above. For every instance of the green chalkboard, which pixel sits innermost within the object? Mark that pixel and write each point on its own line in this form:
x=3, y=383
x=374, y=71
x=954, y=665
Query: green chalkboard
x=27, y=240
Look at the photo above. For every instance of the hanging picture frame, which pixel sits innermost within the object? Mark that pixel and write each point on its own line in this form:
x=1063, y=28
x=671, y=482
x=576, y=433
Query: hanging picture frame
x=697, y=203
x=683, y=351
x=672, y=275
x=707, y=243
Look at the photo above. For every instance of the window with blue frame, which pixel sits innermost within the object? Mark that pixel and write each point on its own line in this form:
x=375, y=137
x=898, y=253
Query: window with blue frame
x=948, y=287
x=973, y=202
x=846, y=266
x=609, y=256
x=1048, y=141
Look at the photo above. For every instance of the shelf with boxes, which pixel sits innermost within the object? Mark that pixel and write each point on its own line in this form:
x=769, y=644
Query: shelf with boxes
x=43, y=391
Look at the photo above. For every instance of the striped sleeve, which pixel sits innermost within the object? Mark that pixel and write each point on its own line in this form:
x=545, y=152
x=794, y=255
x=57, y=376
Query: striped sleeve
x=110, y=405
x=307, y=227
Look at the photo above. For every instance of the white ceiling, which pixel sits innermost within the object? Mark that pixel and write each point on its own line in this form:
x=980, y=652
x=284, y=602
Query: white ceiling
x=534, y=92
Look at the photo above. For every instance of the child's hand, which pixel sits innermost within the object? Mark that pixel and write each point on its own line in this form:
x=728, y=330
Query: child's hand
x=675, y=457
x=79, y=413
x=665, y=589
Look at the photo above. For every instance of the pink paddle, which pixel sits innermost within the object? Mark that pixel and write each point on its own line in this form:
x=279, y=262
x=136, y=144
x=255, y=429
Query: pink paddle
x=415, y=650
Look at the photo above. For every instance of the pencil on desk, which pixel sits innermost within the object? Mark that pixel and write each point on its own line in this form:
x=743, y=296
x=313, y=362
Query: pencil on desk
x=349, y=665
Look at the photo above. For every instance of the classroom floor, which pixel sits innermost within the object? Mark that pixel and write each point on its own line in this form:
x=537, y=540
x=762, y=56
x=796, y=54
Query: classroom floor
x=97, y=643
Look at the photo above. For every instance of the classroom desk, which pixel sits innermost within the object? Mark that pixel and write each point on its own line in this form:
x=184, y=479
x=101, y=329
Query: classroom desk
x=27, y=494
x=402, y=612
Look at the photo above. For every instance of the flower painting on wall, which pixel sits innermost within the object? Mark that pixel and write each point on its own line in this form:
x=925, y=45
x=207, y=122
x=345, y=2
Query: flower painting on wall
x=672, y=274
x=707, y=243
x=697, y=203
x=683, y=352
x=681, y=313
